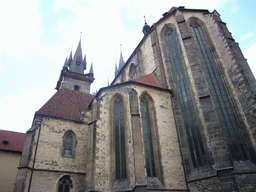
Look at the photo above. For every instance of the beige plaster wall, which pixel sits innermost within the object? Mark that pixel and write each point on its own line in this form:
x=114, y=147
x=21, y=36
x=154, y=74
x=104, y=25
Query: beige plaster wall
x=9, y=161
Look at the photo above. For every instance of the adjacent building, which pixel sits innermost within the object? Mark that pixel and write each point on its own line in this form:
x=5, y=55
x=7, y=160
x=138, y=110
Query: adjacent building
x=11, y=145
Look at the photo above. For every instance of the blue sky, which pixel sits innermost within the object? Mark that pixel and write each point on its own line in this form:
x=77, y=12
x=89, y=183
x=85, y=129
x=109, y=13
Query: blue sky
x=37, y=36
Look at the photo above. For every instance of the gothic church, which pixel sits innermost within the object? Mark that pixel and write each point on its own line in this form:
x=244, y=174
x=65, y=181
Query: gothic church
x=180, y=115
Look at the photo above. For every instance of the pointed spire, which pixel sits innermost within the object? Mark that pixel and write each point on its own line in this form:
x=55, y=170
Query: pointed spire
x=69, y=59
x=146, y=27
x=121, y=60
x=116, y=70
x=84, y=62
x=91, y=69
x=66, y=63
x=76, y=64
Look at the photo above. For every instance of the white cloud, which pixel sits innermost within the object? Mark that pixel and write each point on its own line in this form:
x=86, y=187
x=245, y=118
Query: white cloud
x=21, y=29
x=18, y=109
x=103, y=30
x=247, y=36
x=249, y=54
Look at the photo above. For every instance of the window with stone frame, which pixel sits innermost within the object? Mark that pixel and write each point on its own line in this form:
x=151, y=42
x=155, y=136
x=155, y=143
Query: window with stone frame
x=219, y=94
x=191, y=123
x=65, y=184
x=69, y=141
x=148, y=141
x=132, y=71
x=123, y=77
x=119, y=132
x=150, y=138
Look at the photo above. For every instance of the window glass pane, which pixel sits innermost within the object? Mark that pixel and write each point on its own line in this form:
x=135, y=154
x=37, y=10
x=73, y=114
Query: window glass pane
x=68, y=144
x=119, y=139
x=197, y=151
x=148, y=141
x=219, y=94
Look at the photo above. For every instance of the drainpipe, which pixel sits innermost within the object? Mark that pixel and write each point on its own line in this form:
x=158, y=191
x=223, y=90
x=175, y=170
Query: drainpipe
x=33, y=165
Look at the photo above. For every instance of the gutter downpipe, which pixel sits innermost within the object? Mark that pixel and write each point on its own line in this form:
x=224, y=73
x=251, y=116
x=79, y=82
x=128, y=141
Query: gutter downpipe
x=33, y=166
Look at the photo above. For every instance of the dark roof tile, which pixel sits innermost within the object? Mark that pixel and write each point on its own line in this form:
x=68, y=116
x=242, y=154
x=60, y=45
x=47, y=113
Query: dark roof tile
x=67, y=103
x=12, y=141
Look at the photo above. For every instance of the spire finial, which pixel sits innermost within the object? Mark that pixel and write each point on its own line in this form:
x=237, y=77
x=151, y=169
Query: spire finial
x=145, y=19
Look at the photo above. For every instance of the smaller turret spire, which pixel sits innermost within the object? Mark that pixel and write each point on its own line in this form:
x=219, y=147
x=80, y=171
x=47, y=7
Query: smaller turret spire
x=69, y=59
x=121, y=60
x=84, y=62
x=146, y=27
x=116, y=70
x=91, y=69
x=66, y=63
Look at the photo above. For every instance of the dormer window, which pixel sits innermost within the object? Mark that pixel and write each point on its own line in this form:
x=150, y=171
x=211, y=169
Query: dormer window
x=79, y=60
x=76, y=87
x=5, y=142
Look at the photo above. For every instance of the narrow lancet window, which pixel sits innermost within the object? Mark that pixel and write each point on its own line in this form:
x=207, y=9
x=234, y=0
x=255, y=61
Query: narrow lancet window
x=69, y=139
x=148, y=141
x=68, y=144
x=219, y=94
x=119, y=139
x=195, y=142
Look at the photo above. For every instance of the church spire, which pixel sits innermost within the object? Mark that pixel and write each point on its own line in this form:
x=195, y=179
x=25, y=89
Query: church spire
x=91, y=69
x=146, y=27
x=84, y=62
x=77, y=64
x=69, y=59
x=121, y=60
x=66, y=63
x=116, y=70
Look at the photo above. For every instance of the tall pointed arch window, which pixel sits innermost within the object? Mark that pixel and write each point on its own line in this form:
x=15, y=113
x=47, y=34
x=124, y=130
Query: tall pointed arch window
x=69, y=140
x=65, y=184
x=148, y=140
x=119, y=131
x=219, y=94
x=132, y=71
x=194, y=136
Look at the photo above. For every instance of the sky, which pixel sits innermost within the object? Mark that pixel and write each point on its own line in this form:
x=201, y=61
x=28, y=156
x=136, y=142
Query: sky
x=37, y=36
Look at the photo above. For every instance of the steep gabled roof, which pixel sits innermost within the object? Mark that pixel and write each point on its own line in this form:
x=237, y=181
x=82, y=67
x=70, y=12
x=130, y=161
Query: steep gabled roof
x=12, y=141
x=148, y=80
x=66, y=103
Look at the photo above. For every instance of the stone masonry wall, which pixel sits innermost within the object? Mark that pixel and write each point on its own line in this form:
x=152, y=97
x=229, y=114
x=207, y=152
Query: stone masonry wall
x=173, y=174
x=49, y=155
x=143, y=59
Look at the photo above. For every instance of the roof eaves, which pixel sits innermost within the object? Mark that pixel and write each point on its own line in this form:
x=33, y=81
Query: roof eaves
x=59, y=117
x=129, y=82
x=32, y=128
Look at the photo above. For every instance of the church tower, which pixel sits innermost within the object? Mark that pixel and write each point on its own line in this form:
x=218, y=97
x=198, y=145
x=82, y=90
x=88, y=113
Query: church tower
x=72, y=74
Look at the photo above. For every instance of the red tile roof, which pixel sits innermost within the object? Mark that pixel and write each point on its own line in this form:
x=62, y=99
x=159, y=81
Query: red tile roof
x=148, y=80
x=67, y=103
x=172, y=9
x=12, y=141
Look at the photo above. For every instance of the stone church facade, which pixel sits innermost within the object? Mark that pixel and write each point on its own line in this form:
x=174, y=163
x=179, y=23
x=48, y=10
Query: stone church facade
x=180, y=115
